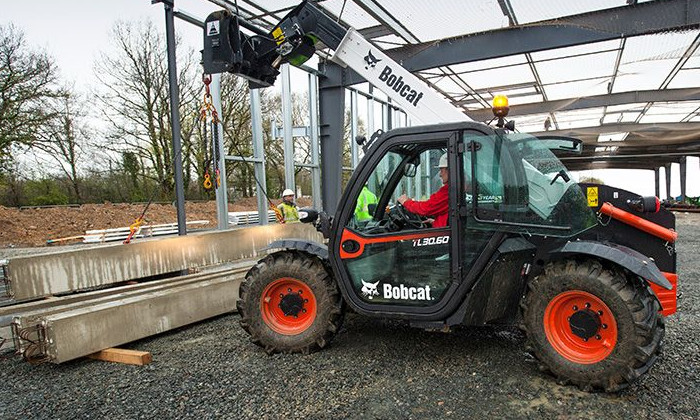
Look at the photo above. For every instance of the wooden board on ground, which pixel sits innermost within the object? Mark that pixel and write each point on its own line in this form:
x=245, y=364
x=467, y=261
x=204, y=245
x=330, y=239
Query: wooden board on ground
x=129, y=357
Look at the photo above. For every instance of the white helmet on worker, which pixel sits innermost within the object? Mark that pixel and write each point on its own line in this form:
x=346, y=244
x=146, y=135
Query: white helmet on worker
x=287, y=192
x=443, y=161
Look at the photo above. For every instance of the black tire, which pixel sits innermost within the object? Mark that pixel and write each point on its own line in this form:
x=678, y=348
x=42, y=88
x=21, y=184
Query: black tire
x=631, y=303
x=311, y=275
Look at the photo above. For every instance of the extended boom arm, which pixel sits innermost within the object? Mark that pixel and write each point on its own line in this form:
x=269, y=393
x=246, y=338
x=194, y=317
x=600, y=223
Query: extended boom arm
x=294, y=40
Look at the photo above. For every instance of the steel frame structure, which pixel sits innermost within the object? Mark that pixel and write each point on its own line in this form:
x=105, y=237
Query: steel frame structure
x=430, y=60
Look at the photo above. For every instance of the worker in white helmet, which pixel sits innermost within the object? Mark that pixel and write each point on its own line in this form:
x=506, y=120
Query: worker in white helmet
x=289, y=209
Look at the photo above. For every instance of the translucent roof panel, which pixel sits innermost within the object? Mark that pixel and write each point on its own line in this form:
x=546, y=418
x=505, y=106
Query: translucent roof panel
x=686, y=78
x=627, y=107
x=528, y=11
x=577, y=89
x=669, y=112
x=530, y=123
x=647, y=60
x=448, y=85
x=577, y=50
x=494, y=63
x=353, y=15
x=579, y=118
x=605, y=137
x=578, y=67
x=621, y=117
x=523, y=99
x=501, y=76
x=446, y=18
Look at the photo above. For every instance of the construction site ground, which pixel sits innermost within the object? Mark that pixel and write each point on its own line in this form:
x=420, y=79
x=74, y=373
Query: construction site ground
x=32, y=227
x=373, y=369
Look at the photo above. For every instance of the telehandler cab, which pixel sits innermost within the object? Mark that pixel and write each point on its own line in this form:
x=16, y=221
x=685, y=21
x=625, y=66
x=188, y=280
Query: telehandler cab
x=587, y=271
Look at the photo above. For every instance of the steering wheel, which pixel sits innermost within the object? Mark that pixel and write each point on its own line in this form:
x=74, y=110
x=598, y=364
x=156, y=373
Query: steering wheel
x=406, y=218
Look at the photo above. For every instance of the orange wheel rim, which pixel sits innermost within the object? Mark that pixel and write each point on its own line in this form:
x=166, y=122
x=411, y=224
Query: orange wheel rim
x=288, y=306
x=580, y=327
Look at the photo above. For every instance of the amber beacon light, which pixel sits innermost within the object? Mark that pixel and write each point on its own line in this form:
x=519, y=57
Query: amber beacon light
x=500, y=106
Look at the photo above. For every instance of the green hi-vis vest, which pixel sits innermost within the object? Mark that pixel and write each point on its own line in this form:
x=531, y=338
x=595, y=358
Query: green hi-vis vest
x=290, y=212
x=363, y=201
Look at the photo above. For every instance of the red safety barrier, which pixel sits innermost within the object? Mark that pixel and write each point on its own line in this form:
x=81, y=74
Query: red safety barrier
x=641, y=224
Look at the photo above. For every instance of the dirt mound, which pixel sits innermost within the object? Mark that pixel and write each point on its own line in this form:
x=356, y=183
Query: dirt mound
x=33, y=227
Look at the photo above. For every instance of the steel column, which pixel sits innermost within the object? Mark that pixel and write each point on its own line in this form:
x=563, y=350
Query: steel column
x=175, y=116
x=370, y=113
x=221, y=189
x=683, y=171
x=657, y=186
x=668, y=180
x=313, y=139
x=289, y=181
x=331, y=117
x=354, y=153
x=258, y=155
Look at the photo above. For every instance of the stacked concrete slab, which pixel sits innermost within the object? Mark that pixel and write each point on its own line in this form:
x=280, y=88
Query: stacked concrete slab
x=74, y=325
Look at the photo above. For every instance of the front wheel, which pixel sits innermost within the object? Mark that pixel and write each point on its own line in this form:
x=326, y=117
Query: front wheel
x=288, y=303
x=592, y=327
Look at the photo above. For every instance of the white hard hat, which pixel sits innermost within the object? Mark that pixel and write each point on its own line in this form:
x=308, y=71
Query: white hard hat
x=443, y=161
x=287, y=192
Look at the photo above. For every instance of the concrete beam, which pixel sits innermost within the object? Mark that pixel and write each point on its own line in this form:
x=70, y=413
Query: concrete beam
x=76, y=333
x=68, y=271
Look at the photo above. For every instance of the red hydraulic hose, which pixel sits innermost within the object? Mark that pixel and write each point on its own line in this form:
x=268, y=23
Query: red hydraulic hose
x=642, y=224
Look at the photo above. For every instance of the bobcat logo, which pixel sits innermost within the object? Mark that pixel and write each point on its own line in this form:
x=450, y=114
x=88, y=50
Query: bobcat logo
x=369, y=289
x=371, y=60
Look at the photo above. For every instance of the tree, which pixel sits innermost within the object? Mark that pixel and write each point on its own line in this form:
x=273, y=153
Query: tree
x=62, y=139
x=28, y=81
x=135, y=99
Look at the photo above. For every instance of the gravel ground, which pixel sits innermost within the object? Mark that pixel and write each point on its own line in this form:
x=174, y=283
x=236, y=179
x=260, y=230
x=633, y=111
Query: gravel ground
x=374, y=369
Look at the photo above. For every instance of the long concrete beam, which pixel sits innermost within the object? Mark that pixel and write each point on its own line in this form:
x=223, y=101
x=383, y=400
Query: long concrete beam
x=71, y=334
x=68, y=271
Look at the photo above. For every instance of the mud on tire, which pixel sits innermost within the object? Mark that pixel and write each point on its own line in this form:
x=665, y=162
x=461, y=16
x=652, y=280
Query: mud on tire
x=289, y=303
x=590, y=326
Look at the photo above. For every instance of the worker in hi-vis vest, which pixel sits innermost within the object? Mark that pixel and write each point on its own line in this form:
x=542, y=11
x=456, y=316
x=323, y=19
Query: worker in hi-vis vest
x=366, y=198
x=288, y=207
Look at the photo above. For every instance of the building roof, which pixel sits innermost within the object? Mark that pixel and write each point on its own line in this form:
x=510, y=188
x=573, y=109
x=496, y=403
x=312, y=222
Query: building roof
x=622, y=75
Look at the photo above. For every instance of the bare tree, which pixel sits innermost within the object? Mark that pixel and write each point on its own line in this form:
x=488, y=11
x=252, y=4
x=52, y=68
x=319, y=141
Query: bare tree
x=28, y=80
x=62, y=139
x=135, y=98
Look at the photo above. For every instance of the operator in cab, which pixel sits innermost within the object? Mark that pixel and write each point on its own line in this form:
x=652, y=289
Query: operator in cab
x=435, y=207
x=288, y=207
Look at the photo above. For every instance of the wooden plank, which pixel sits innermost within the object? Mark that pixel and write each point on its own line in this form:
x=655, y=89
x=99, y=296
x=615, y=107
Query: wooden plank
x=129, y=357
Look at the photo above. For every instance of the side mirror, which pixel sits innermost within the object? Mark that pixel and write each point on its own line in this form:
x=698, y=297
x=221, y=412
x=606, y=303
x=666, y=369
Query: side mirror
x=308, y=215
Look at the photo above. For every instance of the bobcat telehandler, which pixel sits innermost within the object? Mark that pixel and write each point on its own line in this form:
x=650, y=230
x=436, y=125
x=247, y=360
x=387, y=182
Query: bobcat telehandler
x=587, y=271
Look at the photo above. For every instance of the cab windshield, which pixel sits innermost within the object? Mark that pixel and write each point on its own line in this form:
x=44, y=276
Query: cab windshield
x=522, y=184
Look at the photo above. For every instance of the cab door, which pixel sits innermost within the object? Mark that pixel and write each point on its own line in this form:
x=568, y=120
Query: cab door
x=387, y=264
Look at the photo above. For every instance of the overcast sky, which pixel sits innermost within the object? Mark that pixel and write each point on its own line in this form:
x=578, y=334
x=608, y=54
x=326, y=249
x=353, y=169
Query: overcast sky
x=75, y=31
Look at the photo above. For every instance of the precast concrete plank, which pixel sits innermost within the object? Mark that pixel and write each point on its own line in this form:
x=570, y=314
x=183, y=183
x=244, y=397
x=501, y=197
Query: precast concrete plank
x=32, y=318
x=84, y=331
x=57, y=304
x=54, y=273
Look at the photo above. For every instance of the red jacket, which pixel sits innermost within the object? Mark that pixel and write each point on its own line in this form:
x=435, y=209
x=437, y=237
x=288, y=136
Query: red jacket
x=436, y=206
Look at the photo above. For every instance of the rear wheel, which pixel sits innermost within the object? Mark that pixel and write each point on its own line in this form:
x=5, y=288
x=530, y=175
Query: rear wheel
x=288, y=303
x=592, y=327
